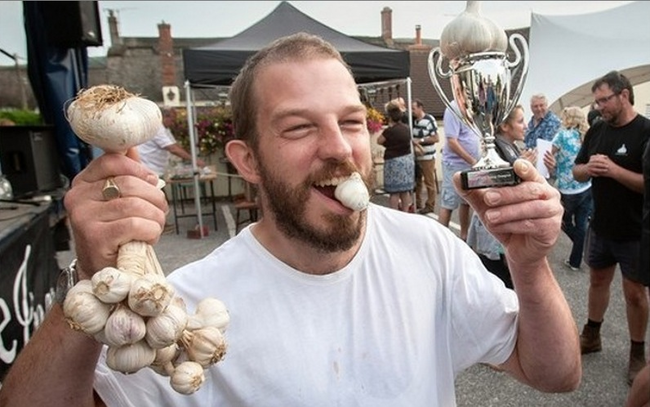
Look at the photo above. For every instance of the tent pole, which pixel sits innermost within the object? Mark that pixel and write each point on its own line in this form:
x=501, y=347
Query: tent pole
x=195, y=171
x=409, y=107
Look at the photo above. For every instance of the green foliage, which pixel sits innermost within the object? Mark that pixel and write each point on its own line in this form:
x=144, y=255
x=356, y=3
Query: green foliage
x=20, y=117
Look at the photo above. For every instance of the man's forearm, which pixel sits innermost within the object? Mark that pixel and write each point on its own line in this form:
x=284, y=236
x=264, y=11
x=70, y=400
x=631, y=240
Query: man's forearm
x=580, y=173
x=547, y=354
x=55, y=368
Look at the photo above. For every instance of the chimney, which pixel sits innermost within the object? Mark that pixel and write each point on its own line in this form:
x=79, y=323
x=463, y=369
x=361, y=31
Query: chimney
x=113, y=28
x=166, y=50
x=417, y=44
x=387, y=25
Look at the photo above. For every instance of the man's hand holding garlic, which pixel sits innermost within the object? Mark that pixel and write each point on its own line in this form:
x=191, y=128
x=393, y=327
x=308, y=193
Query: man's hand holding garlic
x=125, y=300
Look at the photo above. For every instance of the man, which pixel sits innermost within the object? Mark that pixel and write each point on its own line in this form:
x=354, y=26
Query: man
x=611, y=156
x=639, y=395
x=322, y=310
x=155, y=152
x=544, y=124
x=460, y=152
x=425, y=133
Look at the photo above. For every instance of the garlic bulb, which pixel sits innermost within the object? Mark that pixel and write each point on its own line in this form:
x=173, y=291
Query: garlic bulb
x=206, y=346
x=163, y=364
x=130, y=358
x=470, y=32
x=353, y=193
x=124, y=327
x=111, y=285
x=187, y=377
x=83, y=310
x=150, y=295
x=113, y=119
x=209, y=312
x=167, y=328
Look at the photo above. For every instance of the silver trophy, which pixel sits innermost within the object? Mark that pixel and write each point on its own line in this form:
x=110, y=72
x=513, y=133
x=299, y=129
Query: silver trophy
x=481, y=86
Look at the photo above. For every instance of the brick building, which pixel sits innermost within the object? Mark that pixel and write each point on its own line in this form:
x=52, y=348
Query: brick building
x=145, y=65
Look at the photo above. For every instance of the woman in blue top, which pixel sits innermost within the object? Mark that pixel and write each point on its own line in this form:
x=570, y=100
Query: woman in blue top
x=576, y=196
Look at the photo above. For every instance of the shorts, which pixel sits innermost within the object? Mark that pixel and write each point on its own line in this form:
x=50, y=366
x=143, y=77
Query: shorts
x=601, y=252
x=449, y=198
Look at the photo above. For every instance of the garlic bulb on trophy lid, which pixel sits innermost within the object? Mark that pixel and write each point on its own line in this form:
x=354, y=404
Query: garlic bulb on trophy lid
x=470, y=33
x=353, y=193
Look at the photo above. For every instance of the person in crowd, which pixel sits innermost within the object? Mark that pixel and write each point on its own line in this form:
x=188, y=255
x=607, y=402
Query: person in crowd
x=488, y=248
x=460, y=152
x=425, y=133
x=329, y=306
x=639, y=395
x=576, y=196
x=155, y=152
x=399, y=166
x=543, y=124
x=611, y=156
x=594, y=114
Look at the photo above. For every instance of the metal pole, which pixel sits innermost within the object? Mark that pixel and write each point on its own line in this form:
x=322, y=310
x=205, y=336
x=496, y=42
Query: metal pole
x=196, y=174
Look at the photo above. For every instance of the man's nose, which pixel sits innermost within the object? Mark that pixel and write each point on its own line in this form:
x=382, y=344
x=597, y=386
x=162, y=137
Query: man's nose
x=334, y=144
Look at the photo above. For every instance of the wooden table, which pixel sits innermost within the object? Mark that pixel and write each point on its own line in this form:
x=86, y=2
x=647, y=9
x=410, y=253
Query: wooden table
x=177, y=184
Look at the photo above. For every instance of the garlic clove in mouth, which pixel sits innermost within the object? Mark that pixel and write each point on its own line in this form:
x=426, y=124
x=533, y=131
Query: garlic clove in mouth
x=353, y=193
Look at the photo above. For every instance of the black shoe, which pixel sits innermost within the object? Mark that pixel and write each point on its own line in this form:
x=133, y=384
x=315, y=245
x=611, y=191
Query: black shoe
x=425, y=210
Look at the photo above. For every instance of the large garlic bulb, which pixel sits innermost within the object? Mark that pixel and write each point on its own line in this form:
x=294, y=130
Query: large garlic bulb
x=353, y=193
x=83, y=310
x=113, y=119
x=470, y=32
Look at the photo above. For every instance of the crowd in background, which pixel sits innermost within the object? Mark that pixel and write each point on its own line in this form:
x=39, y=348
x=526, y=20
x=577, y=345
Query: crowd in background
x=597, y=163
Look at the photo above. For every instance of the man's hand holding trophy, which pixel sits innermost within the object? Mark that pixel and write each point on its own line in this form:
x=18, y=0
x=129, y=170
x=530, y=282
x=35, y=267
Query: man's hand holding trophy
x=480, y=76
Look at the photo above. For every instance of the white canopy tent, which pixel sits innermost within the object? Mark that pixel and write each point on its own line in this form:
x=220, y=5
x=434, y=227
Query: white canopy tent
x=567, y=53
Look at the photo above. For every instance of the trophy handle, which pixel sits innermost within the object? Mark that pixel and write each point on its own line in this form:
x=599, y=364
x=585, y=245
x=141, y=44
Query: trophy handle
x=435, y=69
x=519, y=58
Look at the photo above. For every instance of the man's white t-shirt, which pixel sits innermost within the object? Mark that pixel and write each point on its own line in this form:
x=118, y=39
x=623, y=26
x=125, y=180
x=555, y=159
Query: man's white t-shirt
x=394, y=327
x=153, y=154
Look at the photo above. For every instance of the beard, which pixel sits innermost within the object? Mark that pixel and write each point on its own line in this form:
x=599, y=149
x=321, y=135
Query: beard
x=289, y=205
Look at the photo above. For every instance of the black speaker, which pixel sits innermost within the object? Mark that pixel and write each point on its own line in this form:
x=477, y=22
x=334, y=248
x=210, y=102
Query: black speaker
x=29, y=159
x=72, y=24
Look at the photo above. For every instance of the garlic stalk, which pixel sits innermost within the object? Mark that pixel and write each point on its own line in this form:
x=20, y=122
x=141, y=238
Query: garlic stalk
x=187, y=377
x=83, y=310
x=353, y=193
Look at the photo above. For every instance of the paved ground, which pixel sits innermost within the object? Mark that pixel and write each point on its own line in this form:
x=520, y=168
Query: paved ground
x=603, y=383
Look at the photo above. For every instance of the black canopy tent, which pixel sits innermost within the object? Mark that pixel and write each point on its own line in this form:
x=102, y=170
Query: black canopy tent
x=217, y=65
x=220, y=63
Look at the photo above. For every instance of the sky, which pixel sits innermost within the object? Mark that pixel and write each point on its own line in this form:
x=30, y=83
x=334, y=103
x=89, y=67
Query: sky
x=228, y=18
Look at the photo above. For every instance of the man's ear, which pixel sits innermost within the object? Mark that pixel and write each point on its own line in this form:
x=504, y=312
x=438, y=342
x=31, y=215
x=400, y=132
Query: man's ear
x=242, y=158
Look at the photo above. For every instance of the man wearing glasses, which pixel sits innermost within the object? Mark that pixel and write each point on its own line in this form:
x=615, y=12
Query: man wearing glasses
x=611, y=156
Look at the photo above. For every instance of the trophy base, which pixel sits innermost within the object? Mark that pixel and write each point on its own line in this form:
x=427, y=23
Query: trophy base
x=488, y=178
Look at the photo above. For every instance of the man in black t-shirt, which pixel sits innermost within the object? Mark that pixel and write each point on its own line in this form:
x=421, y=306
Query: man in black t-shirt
x=611, y=156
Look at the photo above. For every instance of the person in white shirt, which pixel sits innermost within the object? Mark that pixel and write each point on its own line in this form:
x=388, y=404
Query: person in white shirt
x=155, y=152
x=328, y=305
